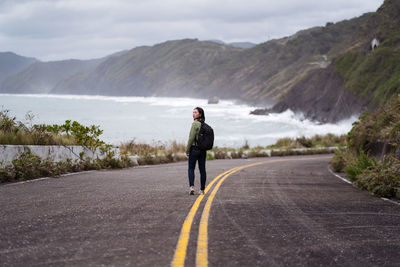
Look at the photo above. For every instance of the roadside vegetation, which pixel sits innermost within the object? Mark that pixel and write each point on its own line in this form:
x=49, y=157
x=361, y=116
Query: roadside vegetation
x=13, y=132
x=30, y=166
x=372, y=156
x=156, y=153
x=318, y=144
x=159, y=152
x=317, y=141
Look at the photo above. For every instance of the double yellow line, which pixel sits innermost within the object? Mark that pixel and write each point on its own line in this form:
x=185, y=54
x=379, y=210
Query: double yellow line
x=202, y=241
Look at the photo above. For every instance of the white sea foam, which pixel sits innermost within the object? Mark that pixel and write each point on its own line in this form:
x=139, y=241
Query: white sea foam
x=151, y=119
x=159, y=101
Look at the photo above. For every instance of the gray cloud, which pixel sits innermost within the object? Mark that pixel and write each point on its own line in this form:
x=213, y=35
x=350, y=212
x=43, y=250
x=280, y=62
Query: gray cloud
x=51, y=30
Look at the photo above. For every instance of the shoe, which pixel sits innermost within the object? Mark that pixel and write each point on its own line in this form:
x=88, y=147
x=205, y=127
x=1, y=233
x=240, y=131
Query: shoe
x=201, y=192
x=191, y=191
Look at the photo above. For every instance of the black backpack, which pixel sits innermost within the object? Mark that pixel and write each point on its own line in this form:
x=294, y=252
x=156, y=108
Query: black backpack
x=205, y=139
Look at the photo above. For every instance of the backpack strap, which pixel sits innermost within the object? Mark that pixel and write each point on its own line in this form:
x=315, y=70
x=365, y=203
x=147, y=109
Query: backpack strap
x=196, y=140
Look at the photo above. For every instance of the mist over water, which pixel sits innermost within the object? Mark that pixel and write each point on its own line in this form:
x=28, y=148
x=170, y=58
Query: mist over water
x=164, y=119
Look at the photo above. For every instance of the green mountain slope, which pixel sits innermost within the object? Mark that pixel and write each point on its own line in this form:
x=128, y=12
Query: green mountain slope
x=173, y=68
x=260, y=75
x=375, y=75
x=363, y=78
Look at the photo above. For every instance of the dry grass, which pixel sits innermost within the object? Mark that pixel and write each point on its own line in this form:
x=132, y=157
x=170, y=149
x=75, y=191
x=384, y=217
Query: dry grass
x=34, y=138
x=328, y=140
x=13, y=132
x=158, y=148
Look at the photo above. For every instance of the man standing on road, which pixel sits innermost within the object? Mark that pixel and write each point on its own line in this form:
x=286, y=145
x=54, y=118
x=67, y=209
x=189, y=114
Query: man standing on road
x=194, y=153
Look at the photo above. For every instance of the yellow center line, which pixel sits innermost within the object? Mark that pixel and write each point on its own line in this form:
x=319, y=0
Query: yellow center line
x=181, y=247
x=202, y=243
x=202, y=239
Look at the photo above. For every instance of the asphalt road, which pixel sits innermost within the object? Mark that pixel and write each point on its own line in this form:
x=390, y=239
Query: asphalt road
x=291, y=212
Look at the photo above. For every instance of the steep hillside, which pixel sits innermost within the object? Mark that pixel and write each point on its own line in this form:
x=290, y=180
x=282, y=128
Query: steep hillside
x=259, y=75
x=359, y=78
x=11, y=63
x=27, y=75
x=174, y=68
x=266, y=72
x=321, y=96
x=375, y=75
x=41, y=77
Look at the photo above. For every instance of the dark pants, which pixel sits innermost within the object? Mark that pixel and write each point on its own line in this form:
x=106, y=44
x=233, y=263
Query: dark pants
x=200, y=156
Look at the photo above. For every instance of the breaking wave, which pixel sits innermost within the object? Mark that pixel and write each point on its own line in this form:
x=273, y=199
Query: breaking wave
x=150, y=119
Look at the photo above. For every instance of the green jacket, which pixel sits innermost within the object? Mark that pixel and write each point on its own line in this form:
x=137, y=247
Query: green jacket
x=194, y=132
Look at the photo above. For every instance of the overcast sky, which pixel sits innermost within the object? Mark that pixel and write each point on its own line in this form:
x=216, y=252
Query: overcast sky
x=63, y=29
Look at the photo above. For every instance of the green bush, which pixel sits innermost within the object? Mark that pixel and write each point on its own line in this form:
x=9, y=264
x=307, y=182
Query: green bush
x=109, y=162
x=284, y=142
x=147, y=160
x=359, y=164
x=220, y=155
x=7, y=174
x=331, y=140
x=382, y=179
x=339, y=160
x=29, y=166
x=382, y=124
x=210, y=156
x=237, y=154
x=305, y=142
x=13, y=132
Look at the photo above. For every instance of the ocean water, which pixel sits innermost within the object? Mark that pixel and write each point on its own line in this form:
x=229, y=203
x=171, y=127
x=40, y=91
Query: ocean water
x=161, y=119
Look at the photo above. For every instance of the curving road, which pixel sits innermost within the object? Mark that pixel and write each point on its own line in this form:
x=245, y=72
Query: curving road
x=287, y=211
